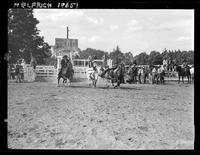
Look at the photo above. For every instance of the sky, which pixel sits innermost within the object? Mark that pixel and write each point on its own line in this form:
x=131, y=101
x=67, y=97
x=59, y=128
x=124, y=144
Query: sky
x=132, y=30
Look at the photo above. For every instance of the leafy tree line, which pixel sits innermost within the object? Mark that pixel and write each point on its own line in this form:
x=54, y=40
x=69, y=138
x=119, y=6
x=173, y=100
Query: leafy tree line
x=154, y=58
x=24, y=39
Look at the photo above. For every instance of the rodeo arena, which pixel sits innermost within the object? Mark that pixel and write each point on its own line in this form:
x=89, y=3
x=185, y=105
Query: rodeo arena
x=95, y=104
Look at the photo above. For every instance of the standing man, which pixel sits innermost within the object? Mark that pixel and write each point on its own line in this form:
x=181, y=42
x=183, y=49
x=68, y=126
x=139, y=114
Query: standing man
x=154, y=72
x=123, y=71
x=17, y=72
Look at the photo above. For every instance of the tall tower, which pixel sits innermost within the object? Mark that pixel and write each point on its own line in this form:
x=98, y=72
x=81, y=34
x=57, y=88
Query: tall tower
x=65, y=46
x=67, y=32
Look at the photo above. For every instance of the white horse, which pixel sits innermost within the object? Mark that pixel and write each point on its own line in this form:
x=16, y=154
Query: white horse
x=103, y=79
x=92, y=76
x=192, y=73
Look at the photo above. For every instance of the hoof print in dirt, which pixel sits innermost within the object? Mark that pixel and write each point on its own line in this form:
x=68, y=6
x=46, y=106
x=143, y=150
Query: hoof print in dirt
x=100, y=121
x=130, y=139
x=144, y=128
x=19, y=103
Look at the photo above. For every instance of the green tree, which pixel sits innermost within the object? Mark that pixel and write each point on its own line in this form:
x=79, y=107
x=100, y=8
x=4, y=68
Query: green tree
x=128, y=58
x=116, y=55
x=155, y=58
x=23, y=37
x=91, y=52
x=142, y=58
x=165, y=54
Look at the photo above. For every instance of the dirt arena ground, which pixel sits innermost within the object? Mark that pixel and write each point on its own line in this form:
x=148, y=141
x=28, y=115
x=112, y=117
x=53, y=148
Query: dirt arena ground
x=136, y=116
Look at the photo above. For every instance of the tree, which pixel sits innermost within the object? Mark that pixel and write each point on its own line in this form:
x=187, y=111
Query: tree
x=23, y=37
x=128, y=58
x=155, y=58
x=91, y=52
x=165, y=54
x=116, y=55
x=142, y=58
x=52, y=61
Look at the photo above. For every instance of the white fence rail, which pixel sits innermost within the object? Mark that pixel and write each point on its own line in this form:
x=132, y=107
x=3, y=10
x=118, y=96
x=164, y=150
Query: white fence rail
x=45, y=71
x=80, y=72
x=85, y=62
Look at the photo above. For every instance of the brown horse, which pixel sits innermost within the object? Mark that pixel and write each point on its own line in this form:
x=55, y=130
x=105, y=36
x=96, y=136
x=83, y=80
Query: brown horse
x=183, y=72
x=66, y=73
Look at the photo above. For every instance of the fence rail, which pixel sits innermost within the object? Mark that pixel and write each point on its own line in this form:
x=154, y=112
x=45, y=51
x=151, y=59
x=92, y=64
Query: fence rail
x=45, y=71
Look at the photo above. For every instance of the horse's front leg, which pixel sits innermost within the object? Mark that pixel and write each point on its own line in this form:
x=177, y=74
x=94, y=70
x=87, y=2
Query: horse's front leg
x=179, y=79
x=163, y=79
x=189, y=78
x=69, y=82
x=89, y=82
x=112, y=82
x=58, y=81
x=94, y=83
x=118, y=84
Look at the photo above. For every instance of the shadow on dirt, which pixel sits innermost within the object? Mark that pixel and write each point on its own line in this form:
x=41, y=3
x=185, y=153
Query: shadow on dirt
x=101, y=87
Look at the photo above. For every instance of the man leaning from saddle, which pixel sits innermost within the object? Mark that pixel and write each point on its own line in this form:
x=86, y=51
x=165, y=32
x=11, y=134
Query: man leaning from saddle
x=115, y=66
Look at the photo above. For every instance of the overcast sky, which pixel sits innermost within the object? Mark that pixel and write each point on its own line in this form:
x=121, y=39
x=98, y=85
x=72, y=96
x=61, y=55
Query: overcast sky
x=132, y=30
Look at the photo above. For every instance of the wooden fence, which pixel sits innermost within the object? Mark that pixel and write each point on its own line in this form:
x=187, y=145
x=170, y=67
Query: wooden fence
x=45, y=71
x=29, y=73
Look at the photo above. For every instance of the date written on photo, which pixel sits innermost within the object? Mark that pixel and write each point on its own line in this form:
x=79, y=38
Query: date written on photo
x=28, y=5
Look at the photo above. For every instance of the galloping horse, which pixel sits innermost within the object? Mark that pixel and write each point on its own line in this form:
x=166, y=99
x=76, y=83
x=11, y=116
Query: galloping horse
x=66, y=73
x=182, y=72
x=115, y=75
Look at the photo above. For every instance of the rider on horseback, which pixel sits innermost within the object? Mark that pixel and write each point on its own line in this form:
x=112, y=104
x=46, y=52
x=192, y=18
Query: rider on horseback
x=92, y=64
x=64, y=62
x=66, y=71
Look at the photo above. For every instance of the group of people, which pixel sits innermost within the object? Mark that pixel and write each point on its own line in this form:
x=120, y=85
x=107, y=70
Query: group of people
x=140, y=74
x=16, y=72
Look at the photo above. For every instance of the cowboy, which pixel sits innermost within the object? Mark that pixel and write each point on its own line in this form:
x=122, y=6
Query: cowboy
x=145, y=71
x=64, y=61
x=123, y=71
x=92, y=64
x=90, y=61
x=134, y=71
x=140, y=73
x=17, y=72
x=154, y=72
x=108, y=69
